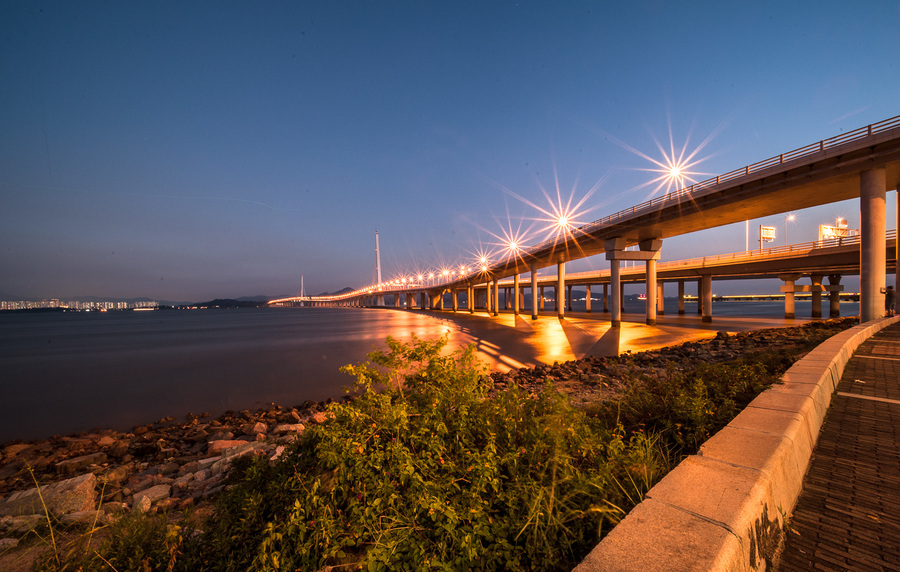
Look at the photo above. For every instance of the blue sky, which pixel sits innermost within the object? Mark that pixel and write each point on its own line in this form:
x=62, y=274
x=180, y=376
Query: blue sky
x=192, y=150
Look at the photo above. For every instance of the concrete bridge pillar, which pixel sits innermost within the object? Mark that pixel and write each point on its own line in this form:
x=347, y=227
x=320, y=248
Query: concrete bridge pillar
x=651, y=291
x=606, y=298
x=651, y=248
x=660, y=300
x=587, y=298
x=789, y=288
x=470, y=298
x=834, y=295
x=706, y=298
x=516, y=295
x=873, y=251
x=568, y=297
x=496, y=301
x=816, y=287
x=561, y=289
x=615, y=318
x=534, y=291
x=455, y=298
x=541, y=300
x=681, y=297
x=700, y=296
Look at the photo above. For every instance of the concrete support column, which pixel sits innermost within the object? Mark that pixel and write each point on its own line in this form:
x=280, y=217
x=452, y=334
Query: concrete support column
x=587, y=298
x=706, y=298
x=834, y=296
x=396, y=300
x=650, y=291
x=516, y=298
x=606, y=298
x=561, y=289
x=616, y=287
x=700, y=296
x=569, y=297
x=496, y=303
x=660, y=299
x=816, y=280
x=541, y=299
x=872, y=253
x=455, y=299
x=470, y=299
x=622, y=296
x=789, y=288
x=681, y=297
x=534, y=292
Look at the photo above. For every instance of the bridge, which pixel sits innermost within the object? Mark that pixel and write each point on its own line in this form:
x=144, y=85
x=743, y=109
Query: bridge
x=863, y=163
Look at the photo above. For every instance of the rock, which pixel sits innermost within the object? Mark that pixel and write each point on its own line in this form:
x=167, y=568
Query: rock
x=11, y=451
x=106, y=441
x=320, y=417
x=288, y=428
x=72, y=495
x=114, y=507
x=141, y=505
x=7, y=543
x=254, y=428
x=115, y=476
x=157, y=493
x=217, y=447
x=189, y=467
x=23, y=524
x=72, y=466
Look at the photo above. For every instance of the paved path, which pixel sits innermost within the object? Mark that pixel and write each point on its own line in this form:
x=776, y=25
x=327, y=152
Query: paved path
x=848, y=515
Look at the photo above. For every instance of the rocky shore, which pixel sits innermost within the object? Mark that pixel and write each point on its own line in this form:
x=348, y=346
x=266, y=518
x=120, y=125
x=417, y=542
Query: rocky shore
x=171, y=466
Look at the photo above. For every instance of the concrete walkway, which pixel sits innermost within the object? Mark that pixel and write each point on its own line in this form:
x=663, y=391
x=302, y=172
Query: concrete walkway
x=848, y=514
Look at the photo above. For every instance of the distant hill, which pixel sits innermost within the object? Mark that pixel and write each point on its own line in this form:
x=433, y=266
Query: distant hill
x=259, y=298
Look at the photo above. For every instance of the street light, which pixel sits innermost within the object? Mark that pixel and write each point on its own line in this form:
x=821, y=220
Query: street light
x=789, y=217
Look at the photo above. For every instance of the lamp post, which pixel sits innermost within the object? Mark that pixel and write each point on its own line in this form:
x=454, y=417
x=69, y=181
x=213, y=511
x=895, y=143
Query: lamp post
x=787, y=218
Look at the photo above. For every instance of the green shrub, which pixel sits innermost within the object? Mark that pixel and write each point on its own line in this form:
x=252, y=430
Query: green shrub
x=429, y=473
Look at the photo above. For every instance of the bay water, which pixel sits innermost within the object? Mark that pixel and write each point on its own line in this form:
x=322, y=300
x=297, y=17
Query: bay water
x=66, y=372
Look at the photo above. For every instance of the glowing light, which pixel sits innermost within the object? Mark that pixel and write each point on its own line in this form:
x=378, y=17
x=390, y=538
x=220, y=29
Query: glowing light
x=676, y=168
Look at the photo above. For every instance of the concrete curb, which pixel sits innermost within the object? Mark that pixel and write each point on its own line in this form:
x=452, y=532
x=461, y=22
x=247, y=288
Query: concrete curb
x=724, y=508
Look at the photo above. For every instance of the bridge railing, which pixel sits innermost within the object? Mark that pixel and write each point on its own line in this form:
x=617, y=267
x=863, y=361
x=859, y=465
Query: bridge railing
x=808, y=150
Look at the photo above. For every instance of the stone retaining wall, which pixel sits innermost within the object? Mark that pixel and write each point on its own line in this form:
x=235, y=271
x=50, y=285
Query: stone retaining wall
x=724, y=508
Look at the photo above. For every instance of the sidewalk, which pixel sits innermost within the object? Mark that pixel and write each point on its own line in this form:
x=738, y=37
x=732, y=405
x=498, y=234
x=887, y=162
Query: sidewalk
x=848, y=515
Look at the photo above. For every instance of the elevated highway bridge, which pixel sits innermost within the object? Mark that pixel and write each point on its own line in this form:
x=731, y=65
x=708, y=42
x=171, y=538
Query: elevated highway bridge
x=864, y=164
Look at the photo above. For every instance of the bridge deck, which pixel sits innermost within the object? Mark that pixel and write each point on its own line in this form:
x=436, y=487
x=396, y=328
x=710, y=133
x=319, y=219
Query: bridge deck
x=848, y=515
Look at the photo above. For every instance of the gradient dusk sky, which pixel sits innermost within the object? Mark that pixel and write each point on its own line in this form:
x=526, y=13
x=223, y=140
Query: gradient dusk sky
x=192, y=150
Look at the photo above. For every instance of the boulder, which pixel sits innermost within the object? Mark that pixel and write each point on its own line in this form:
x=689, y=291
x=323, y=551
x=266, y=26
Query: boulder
x=155, y=494
x=72, y=495
x=288, y=428
x=218, y=447
x=78, y=464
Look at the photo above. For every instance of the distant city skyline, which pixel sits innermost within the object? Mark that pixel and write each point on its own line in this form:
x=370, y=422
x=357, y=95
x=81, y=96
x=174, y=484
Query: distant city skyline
x=193, y=151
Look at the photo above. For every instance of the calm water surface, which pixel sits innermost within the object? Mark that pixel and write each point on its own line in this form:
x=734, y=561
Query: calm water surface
x=62, y=373
x=69, y=372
